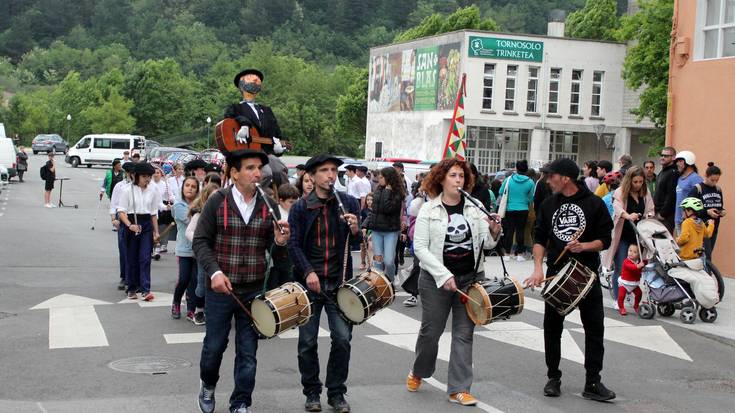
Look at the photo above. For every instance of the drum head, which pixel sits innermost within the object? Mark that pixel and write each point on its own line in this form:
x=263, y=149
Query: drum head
x=264, y=317
x=351, y=305
x=479, y=315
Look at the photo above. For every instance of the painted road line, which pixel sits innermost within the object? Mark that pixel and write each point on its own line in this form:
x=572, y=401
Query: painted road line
x=443, y=387
x=294, y=333
x=534, y=340
x=183, y=338
x=73, y=322
x=653, y=338
x=537, y=306
x=394, y=322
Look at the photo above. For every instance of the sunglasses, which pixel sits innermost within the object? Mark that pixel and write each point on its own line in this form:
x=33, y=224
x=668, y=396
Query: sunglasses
x=666, y=155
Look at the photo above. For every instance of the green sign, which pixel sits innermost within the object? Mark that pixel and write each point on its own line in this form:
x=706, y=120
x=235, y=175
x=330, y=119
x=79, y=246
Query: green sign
x=427, y=66
x=511, y=49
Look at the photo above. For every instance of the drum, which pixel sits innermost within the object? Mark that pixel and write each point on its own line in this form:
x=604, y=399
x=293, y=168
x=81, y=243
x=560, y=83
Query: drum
x=281, y=309
x=568, y=287
x=499, y=300
x=361, y=297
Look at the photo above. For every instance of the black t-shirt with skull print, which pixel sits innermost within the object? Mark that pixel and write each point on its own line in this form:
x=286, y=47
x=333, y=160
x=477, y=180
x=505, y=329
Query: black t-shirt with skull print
x=458, y=254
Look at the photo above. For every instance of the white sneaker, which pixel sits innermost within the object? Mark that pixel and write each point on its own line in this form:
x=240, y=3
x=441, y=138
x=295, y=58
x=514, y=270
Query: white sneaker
x=411, y=301
x=615, y=305
x=520, y=258
x=53, y=205
x=48, y=206
x=506, y=257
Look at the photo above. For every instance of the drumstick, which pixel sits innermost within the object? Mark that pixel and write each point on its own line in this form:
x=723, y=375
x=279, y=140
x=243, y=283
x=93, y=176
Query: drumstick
x=564, y=251
x=244, y=308
x=463, y=294
x=543, y=281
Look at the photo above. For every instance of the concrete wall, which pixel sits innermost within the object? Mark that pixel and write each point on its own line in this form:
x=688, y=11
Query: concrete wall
x=701, y=118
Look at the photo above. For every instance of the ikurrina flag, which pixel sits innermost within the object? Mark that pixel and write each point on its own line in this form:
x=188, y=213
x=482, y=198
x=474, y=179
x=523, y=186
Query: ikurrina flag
x=456, y=145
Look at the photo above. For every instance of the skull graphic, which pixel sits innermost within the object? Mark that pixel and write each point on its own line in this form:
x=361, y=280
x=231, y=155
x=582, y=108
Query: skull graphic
x=457, y=228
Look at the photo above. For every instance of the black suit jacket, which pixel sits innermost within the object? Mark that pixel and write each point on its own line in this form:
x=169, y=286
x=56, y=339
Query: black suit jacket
x=265, y=122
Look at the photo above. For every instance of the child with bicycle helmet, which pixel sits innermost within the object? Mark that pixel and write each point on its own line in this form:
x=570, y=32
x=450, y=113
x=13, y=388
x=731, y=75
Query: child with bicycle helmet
x=693, y=229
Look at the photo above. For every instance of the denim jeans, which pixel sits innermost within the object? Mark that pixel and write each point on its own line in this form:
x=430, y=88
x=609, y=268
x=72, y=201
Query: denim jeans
x=199, y=291
x=620, y=255
x=187, y=282
x=219, y=310
x=338, y=364
x=384, y=244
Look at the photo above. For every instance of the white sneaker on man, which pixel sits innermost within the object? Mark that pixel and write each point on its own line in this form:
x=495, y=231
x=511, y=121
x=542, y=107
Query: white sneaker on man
x=506, y=257
x=48, y=205
x=411, y=301
x=520, y=258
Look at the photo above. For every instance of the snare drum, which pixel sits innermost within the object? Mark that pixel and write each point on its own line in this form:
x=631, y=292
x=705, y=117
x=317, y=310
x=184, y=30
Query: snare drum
x=568, y=287
x=281, y=309
x=499, y=300
x=361, y=297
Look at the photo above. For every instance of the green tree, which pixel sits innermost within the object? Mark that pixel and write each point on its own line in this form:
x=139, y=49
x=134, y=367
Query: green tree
x=111, y=116
x=351, y=114
x=646, y=65
x=464, y=18
x=597, y=20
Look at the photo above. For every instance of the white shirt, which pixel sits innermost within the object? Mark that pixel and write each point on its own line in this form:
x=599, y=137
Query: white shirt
x=364, y=187
x=245, y=208
x=284, y=213
x=174, y=185
x=134, y=200
x=252, y=106
x=115, y=198
x=164, y=192
x=352, y=188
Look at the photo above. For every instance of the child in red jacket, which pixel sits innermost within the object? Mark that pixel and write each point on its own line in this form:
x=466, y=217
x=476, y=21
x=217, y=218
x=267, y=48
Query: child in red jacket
x=630, y=276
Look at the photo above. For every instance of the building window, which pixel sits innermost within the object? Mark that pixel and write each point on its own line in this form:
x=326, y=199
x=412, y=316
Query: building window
x=717, y=24
x=554, y=79
x=564, y=145
x=597, y=78
x=532, y=95
x=493, y=149
x=487, y=86
x=510, y=87
x=576, y=90
x=378, y=149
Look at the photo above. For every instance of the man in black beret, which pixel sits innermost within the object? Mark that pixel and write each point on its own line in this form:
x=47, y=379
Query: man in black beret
x=317, y=247
x=233, y=233
x=198, y=168
x=573, y=222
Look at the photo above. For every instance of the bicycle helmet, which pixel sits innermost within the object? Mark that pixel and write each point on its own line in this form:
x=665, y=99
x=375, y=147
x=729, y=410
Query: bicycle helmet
x=692, y=203
x=687, y=156
x=612, y=177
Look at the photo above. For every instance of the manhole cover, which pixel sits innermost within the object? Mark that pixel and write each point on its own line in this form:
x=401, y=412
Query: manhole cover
x=149, y=364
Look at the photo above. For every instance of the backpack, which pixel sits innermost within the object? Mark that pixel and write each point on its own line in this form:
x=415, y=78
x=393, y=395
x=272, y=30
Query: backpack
x=44, y=172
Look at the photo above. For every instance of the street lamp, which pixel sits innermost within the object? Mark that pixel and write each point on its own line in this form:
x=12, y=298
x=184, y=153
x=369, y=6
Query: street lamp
x=599, y=129
x=209, y=121
x=68, y=124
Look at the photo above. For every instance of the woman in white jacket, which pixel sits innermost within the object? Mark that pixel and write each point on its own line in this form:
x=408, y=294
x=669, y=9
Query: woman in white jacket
x=448, y=238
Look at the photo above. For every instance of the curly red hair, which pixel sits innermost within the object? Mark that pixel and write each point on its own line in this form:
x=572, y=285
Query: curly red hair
x=432, y=184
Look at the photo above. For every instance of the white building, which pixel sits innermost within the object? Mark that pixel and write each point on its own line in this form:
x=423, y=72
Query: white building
x=528, y=97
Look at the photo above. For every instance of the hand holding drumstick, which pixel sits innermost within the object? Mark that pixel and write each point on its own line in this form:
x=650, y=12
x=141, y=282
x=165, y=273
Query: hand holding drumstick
x=573, y=245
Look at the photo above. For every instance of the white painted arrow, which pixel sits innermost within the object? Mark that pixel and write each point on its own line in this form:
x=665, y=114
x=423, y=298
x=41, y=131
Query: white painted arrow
x=73, y=322
x=653, y=338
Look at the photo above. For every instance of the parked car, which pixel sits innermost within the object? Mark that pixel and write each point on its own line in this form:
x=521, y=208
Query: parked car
x=102, y=149
x=48, y=143
x=149, y=145
x=183, y=157
x=161, y=153
x=8, y=154
x=212, y=156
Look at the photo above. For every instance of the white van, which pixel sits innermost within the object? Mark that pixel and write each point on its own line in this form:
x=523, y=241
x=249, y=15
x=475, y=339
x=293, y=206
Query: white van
x=102, y=149
x=8, y=156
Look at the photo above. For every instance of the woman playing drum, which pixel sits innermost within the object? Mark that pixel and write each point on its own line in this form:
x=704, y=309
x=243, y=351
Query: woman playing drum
x=447, y=240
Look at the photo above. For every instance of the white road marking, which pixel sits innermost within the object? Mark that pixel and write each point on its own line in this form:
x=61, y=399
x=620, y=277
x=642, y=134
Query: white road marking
x=408, y=342
x=184, y=338
x=534, y=340
x=443, y=387
x=73, y=322
x=294, y=333
x=537, y=306
x=393, y=322
x=160, y=300
x=653, y=338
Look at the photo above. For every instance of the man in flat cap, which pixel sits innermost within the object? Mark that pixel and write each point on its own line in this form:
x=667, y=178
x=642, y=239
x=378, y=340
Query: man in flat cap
x=138, y=212
x=232, y=236
x=250, y=114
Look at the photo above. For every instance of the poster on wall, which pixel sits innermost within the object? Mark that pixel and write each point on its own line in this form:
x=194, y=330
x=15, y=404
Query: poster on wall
x=378, y=67
x=408, y=87
x=427, y=63
x=385, y=84
x=448, y=76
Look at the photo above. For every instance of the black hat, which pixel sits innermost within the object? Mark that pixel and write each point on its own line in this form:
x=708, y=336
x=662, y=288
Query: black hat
x=398, y=165
x=255, y=72
x=362, y=168
x=233, y=158
x=301, y=167
x=195, y=164
x=351, y=167
x=213, y=167
x=318, y=160
x=129, y=166
x=562, y=166
x=144, y=168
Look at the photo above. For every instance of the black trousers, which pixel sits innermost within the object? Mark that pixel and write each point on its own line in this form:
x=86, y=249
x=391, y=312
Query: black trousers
x=514, y=223
x=592, y=315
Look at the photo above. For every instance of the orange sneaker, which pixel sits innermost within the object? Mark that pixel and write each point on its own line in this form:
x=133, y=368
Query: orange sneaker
x=413, y=383
x=148, y=296
x=463, y=398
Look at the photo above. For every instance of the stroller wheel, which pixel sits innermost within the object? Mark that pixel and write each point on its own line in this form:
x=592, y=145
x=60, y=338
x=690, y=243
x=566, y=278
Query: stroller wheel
x=645, y=311
x=687, y=315
x=708, y=315
x=666, y=310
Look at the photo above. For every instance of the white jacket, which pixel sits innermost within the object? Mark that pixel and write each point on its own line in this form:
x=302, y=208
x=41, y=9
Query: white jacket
x=431, y=230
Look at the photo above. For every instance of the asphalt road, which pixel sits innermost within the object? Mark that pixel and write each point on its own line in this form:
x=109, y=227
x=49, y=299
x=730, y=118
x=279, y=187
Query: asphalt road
x=51, y=254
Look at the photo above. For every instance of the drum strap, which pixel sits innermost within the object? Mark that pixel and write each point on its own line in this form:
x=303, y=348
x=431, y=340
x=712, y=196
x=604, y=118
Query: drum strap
x=344, y=258
x=479, y=258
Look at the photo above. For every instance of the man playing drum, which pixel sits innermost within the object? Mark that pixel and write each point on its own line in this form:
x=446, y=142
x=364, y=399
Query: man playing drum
x=233, y=233
x=317, y=248
x=574, y=223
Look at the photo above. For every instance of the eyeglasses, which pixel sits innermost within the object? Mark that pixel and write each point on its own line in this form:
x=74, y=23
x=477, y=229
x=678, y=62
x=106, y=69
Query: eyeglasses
x=666, y=155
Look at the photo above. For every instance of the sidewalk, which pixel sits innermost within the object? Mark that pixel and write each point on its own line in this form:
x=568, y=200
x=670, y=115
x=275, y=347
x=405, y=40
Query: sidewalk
x=724, y=326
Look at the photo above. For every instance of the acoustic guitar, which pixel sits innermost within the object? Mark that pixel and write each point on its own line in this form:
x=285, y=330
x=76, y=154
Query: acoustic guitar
x=226, y=133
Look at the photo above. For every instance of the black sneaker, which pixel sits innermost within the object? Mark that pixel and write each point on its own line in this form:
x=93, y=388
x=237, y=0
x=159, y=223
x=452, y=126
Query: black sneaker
x=206, y=398
x=121, y=285
x=313, y=403
x=552, y=388
x=598, y=392
x=199, y=319
x=339, y=404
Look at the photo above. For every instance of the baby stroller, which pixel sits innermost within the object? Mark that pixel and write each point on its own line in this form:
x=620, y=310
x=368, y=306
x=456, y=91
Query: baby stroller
x=670, y=283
